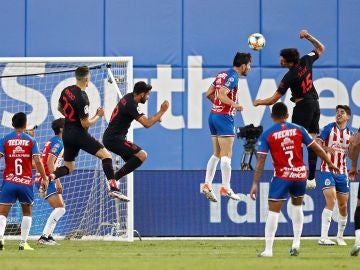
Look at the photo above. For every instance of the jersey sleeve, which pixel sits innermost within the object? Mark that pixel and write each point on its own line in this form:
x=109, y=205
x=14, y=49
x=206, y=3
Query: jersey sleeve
x=83, y=107
x=262, y=146
x=311, y=57
x=134, y=111
x=230, y=82
x=325, y=133
x=284, y=85
x=56, y=148
x=306, y=138
x=35, y=148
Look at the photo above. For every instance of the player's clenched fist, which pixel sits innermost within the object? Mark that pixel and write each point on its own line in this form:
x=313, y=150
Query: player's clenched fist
x=164, y=106
x=100, y=112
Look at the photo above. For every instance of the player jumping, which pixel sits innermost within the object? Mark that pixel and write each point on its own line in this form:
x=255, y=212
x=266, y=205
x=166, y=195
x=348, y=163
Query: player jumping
x=124, y=113
x=300, y=81
x=74, y=105
x=223, y=94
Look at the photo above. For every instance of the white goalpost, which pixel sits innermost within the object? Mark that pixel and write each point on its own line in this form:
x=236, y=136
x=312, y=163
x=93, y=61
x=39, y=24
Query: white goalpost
x=33, y=85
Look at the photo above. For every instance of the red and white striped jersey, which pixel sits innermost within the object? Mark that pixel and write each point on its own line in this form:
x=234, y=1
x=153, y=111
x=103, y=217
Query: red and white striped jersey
x=338, y=140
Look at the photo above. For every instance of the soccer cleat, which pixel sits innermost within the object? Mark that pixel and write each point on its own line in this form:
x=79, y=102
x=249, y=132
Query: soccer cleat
x=52, y=240
x=340, y=241
x=209, y=194
x=265, y=254
x=43, y=240
x=25, y=246
x=355, y=250
x=310, y=184
x=228, y=192
x=2, y=244
x=294, y=252
x=115, y=191
x=326, y=242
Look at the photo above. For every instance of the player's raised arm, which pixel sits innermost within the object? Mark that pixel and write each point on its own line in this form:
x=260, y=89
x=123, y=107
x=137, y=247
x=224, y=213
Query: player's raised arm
x=148, y=122
x=88, y=122
x=319, y=47
x=268, y=101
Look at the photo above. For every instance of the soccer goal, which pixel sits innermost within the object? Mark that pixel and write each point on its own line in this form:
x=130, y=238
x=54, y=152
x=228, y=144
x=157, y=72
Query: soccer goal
x=33, y=86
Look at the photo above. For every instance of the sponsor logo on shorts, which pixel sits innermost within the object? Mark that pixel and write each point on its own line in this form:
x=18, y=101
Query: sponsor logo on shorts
x=327, y=182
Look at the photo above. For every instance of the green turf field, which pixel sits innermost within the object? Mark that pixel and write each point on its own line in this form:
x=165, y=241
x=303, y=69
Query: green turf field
x=179, y=254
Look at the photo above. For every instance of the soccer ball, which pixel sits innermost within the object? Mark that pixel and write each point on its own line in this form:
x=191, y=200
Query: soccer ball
x=256, y=41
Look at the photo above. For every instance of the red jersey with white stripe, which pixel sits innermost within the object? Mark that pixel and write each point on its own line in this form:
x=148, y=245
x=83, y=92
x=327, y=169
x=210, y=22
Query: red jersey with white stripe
x=228, y=79
x=18, y=148
x=284, y=141
x=338, y=140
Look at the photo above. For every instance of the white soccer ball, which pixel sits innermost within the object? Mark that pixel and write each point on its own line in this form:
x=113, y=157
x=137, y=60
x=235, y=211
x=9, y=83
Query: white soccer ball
x=256, y=41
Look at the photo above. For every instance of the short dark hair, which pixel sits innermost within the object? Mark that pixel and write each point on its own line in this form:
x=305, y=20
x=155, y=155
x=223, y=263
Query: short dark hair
x=241, y=58
x=141, y=87
x=279, y=110
x=346, y=108
x=57, y=124
x=82, y=72
x=291, y=55
x=19, y=120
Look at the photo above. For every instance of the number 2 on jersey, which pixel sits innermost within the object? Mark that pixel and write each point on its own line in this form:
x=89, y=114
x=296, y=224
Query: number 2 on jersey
x=291, y=156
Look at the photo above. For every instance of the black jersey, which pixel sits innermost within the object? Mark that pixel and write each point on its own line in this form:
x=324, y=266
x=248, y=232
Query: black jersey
x=75, y=105
x=124, y=113
x=299, y=78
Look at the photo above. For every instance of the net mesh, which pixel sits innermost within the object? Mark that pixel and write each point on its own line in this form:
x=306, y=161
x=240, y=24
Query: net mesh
x=34, y=88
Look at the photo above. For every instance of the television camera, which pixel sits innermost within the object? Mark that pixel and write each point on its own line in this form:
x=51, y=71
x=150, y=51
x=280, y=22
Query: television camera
x=250, y=134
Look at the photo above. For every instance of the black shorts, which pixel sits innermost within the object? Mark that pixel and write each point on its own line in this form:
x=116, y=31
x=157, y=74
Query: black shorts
x=74, y=139
x=306, y=113
x=118, y=145
x=359, y=192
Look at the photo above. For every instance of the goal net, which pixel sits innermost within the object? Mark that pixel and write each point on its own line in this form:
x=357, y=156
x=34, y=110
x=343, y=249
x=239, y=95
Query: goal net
x=33, y=86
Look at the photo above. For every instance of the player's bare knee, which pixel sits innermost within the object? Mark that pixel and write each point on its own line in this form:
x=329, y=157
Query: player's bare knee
x=142, y=155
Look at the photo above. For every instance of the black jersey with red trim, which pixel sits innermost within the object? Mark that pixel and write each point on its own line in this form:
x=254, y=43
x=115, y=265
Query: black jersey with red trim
x=299, y=78
x=75, y=103
x=124, y=113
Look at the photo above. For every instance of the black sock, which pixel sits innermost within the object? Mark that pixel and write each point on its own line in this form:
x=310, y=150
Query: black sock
x=312, y=158
x=61, y=171
x=128, y=167
x=108, y=168
x=357, y=218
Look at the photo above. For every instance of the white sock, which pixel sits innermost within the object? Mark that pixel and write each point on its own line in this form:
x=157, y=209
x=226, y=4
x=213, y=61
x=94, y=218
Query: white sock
x=54, y=217
x=341, y=225
x=357, y=237
x=2, y=226
x=226, y=171
x=25, y=227
x=211, y=169
x=325, y=222
x=297, y=222
x=270, y=230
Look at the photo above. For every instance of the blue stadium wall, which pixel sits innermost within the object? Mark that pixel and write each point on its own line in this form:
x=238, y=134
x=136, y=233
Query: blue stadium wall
x=178, y=46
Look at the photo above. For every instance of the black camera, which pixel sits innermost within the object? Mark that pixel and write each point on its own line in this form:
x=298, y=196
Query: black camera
x=249, y=132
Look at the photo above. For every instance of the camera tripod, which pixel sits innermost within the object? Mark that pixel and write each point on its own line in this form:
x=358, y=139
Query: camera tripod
x=249, y=150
